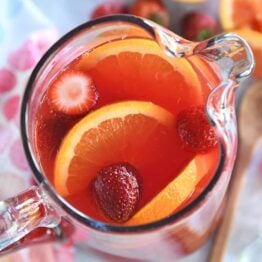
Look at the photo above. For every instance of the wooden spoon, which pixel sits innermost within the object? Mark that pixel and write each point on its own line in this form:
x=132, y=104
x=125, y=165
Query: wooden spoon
x=250, y=131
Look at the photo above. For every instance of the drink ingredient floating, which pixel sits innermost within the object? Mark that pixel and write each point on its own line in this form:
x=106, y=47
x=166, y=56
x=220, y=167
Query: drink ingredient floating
x=123, y=135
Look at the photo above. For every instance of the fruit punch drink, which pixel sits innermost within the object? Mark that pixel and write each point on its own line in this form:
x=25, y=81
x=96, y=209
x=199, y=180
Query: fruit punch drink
x=123, y=135
x=115, y=123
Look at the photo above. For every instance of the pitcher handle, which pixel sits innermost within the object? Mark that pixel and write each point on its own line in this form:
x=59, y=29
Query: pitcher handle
x=24, y=213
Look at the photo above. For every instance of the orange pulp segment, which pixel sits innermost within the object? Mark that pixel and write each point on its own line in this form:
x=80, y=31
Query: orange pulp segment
x=244, y=17
x=239, y=13
x=178, y=191
x=138, y=69
x=140, y=133
x=254, y=38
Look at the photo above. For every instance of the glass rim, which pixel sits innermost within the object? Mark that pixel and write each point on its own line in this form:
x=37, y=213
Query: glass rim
x=41, y=179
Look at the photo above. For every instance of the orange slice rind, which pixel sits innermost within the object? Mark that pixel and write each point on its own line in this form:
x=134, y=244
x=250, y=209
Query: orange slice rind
x=76, y=136
x=178, y=191
x=244, y=18
x=141, y=46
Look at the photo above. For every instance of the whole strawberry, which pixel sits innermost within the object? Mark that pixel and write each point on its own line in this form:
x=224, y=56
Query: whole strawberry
x=198, y=26
x=109, y=8
x=117, y=191
x=151, y=9
x=194, y=130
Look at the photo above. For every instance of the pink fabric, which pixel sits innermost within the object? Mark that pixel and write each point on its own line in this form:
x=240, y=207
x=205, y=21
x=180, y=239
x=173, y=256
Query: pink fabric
x=25, y=57
x=64, y=253
x=25, y=35
x=7, y=80
x=13, y=77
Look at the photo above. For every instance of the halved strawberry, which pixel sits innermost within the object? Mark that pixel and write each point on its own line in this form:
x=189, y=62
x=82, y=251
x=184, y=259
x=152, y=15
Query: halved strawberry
x=73, y=93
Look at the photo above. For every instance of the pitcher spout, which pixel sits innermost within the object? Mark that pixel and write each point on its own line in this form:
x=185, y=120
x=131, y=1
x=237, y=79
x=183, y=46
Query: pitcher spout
x=230, y=53
x=234, y=60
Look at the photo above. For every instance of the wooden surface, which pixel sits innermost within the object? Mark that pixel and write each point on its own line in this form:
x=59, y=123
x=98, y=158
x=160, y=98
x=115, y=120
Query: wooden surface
x=250, y=132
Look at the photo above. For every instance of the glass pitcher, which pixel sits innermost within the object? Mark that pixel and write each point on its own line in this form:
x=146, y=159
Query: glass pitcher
x=41, y=214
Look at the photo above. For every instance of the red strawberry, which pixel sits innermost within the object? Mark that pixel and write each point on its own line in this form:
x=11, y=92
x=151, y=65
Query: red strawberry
x=194, y=129
x=117, y=191
x=109, y=8
x=73, y=93
x=151, y=9
x=198, y=26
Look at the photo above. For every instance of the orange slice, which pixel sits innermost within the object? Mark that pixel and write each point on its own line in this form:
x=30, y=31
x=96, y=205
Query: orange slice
x=239, y=13
x=245, y=19
x=140, y=133
x=138, y=69
x=254, y=38
x=167, y=201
